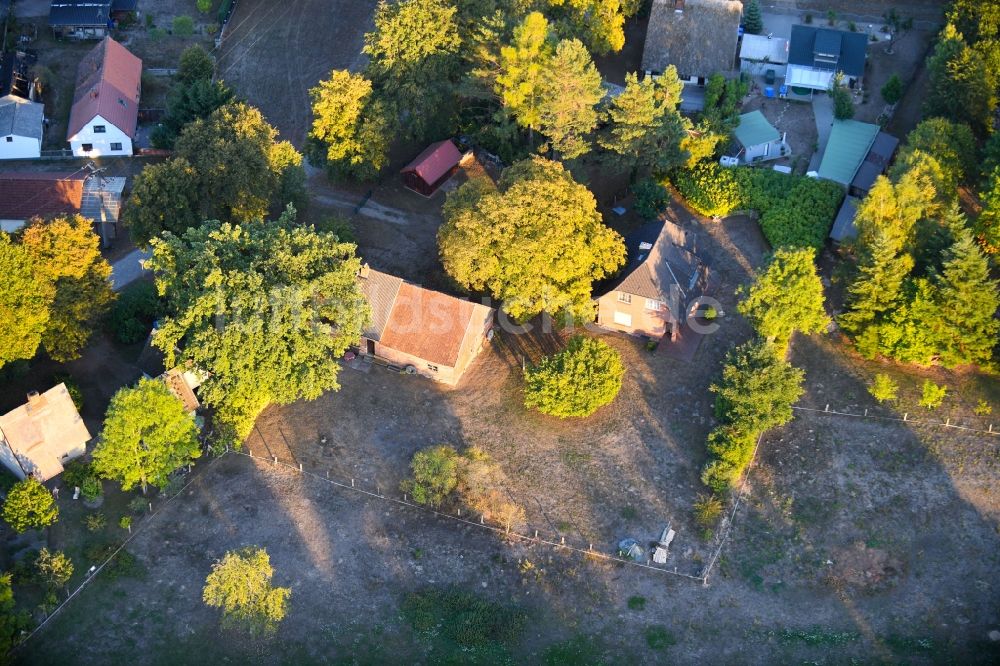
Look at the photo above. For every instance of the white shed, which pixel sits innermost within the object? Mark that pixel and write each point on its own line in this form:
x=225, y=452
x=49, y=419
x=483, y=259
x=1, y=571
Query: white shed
x=21, y=126
x=759, y=53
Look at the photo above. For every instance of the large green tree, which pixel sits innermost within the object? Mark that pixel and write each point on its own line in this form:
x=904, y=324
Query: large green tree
x=757, y=388
x=877, y=289
x=435, y=475
x=414, y=60
x=25, y=302
x=577, y=381
x=646, y=129
x=195, y=65
x=12, y=623
x=968, y=300
x=147, y=436
x=950, y=143
x=164, y=198
x=962, y=87
x=572, y=90
x=350, y=132
x=600, y=24
x=67, y=252
x=988, y=223
x=240, y=585
x=786, y=297
x=198, y=99
x=265, y=309
x=522, y=65
x=536, y=243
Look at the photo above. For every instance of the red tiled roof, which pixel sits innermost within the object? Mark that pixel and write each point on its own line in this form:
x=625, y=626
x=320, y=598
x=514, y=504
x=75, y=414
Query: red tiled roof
x=25, y=195
x=107, y=85
x=428, y=324
x=435, y=161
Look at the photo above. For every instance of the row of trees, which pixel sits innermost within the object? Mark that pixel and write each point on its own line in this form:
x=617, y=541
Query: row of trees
x=923, y=291
x=515, y=71
x=55, y=289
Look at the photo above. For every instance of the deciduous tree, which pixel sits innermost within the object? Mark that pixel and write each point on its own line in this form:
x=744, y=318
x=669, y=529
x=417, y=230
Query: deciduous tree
x=950, y=143
x=68, y=255
x=25, y=302
x=786, y=297
x=572, y=89
x=264, y=308
x=536, y=243
x=147, y=436
x=577, y=381
x=350, y=131
x=240, y=584
x=195, y=65
x=757, y=388
x=29, y=505
x=435, y=475
x=54, y=568
x=164, y=198
x=646, y=130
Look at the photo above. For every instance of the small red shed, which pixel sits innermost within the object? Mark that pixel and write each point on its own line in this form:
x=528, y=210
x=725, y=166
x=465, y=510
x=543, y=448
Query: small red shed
x=432, y=167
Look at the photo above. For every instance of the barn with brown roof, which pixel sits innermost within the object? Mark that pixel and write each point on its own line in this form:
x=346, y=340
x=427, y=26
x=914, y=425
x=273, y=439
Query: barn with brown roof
x=105, y=111
x=432, y=167
x=698, y=37
x=435, y=334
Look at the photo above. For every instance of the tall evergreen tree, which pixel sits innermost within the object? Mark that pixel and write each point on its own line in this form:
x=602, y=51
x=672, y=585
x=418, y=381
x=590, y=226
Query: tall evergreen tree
x=968, y=301
x=522, y=64
x=646, y=129
x=572, y=90
x=878, y=288
x=988, y=224
x=753, y=22
x=961, y=85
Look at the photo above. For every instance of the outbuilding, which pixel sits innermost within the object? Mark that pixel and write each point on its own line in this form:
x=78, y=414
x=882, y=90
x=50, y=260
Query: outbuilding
x=760, y=54
x=431, y=168
x=757, y=140
x=21, y=127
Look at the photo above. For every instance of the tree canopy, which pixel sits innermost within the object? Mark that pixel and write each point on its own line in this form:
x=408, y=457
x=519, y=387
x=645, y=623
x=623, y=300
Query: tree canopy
x=962, y=87
x=195, y=65
x=197, y=99
x=147, y=436
x=435, y=475
x=536, y=243
x=786, y=297
x=572, y=89
x=29, y=505
x=522, y=64
x=265, y=309
x=240, y=584
x=67, y=252
x=25, y=299
x=350, y=131
x=577, y=381
x=646, y=129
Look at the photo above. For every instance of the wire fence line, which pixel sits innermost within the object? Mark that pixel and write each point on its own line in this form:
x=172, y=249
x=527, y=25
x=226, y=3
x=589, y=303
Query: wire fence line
x=92, y=574
x=482, y=524
x=905, y=419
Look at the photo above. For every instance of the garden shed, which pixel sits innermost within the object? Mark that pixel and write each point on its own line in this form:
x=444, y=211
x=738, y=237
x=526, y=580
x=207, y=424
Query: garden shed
x=431, y=168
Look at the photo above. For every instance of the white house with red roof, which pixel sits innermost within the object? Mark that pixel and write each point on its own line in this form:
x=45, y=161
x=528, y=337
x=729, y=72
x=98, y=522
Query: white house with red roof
x=106, y=102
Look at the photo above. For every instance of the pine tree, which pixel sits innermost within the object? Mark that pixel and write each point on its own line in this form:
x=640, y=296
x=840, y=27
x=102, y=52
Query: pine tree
x=968, y=300
x=572, y=89
x=876, y=290
x=752, y=20
x=959, y=83
x=988, y=224
x=521, y=67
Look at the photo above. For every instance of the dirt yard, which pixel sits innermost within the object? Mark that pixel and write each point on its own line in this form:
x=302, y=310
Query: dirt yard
x=275, y=52
x=860, y=537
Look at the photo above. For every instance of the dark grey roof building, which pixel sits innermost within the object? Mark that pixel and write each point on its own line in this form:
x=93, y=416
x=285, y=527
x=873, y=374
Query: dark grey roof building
x=698, y=37
x=815, y=55
x=80, y=19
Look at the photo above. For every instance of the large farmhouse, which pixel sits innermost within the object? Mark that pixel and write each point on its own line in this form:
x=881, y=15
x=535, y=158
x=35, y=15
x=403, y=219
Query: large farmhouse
x=106, y=102
x=698, y=37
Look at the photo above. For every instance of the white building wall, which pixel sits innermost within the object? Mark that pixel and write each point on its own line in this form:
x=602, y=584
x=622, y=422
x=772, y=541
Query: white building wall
x=758, y=68
x=100, y=142
x=15, y=147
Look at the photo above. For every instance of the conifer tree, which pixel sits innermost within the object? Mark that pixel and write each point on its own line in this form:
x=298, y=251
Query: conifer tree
x=877, y=289
x=572, y=89
x=753, y=22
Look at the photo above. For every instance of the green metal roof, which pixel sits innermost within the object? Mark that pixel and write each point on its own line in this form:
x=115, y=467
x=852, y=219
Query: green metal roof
x=849, y=143
x=754, y=130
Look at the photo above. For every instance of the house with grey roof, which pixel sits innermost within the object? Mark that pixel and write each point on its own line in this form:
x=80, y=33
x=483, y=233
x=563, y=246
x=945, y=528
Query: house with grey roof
x=698, y=37
x=817, y=55
x=649, y=296
x=21, y=127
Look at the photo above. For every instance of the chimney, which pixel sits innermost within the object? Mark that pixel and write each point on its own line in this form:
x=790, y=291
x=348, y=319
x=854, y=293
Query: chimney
x=36, y=402
x=363, y=273
x=678, y=6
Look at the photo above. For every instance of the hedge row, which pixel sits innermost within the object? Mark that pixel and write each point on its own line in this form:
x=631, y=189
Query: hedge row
x=795, y=211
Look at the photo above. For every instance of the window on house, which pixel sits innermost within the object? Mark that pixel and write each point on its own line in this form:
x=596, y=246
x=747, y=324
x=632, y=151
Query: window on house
x=653, y=304
x=432, y=367
x=116, y=146
x=87, y=147
x=100, y=129
x=623, y=318
x=10, y=139
x=624, y=298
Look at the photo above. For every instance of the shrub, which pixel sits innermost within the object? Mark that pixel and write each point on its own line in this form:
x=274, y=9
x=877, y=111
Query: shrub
x=54, y=568
x=138, y=505
x=91, y=488
x=463, y=618
x=933, y=395
x=183, y=26
x=807, y=19
x=983, y=408
x=707, y=509
x=76, y=472
x=883, y=388
x=637, y=603
x=156, y=34
x=133, y=313
x=892, y=91
x=843, y=106
x=29, y=505
x=204, y=6
x=95, y=521
x=576, y=381
x=651, y=199
x=658, y=638
x=710, y=188
x=710, y=313
x=149, y=21
x=340, y=227
x=435, y=475
x=125, y=522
